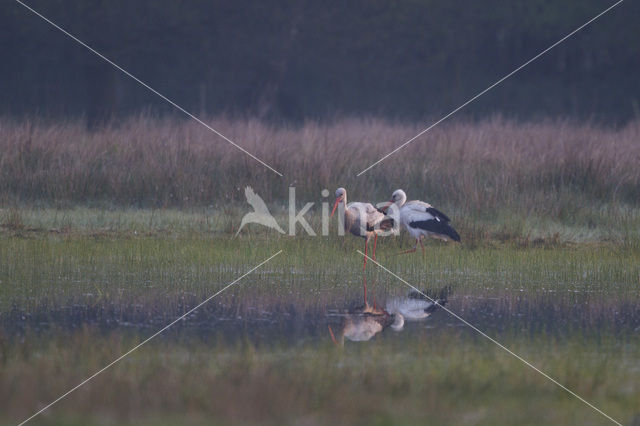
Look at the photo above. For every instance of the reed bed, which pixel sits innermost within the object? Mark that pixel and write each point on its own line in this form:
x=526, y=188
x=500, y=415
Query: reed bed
x=556, y=168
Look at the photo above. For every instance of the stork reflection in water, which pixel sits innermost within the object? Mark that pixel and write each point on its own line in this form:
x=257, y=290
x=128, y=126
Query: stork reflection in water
x=361, y=324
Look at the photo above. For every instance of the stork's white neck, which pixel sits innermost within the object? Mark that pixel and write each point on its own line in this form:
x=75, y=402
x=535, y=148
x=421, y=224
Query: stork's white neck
x=398, y=322
x=402, y=198
x=341, y=194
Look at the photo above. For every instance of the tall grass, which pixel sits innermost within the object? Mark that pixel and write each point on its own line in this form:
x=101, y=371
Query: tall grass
x=552, y=168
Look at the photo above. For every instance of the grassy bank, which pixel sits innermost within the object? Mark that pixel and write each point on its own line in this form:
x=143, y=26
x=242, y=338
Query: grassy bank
x=442, y=378
x=614, y=225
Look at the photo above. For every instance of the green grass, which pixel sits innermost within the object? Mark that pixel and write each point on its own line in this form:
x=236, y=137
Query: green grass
x=442, y=377
x=93, y=259
x=56, y=267
x=615, y=224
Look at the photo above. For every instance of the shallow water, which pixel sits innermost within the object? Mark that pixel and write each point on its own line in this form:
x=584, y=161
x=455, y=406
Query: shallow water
x=505, y=313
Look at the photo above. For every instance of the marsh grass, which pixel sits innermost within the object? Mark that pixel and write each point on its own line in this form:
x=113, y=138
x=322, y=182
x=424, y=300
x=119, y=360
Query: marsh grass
x=542, y=183
x=615, y=226
x=441, y=377
x=12, y=220
x=559, y=168
x=72, y=301
x=167, y=275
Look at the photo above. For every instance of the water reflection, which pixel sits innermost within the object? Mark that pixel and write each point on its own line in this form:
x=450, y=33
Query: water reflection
x=416, y=306
x=293, y=318
x=361, y=324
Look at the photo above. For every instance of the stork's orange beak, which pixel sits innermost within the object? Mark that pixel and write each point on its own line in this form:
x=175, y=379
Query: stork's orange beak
x=335, y=205
x=387, y=206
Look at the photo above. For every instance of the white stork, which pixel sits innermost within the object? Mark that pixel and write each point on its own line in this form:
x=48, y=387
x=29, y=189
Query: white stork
x=422, y=220
x=363, y=220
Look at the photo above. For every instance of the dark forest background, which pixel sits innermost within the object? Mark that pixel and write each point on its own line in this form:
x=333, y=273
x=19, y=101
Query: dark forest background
x=295, y=60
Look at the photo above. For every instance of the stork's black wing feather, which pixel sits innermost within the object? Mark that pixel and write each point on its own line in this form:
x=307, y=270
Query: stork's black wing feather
x=438, y=214
x=437, y=227
x=440, y=297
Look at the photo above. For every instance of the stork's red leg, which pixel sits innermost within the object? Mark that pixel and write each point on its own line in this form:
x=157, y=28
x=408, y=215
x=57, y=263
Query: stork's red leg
x=410, y=250
x=366, y=245
x=364, y=284
x=375, y=241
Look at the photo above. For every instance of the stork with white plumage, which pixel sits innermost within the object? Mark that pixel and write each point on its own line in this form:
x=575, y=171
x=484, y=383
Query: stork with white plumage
x=422, y=220
x=363, y=220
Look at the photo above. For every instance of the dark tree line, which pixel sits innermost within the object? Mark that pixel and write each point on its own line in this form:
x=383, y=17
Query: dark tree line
x=298, y=59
